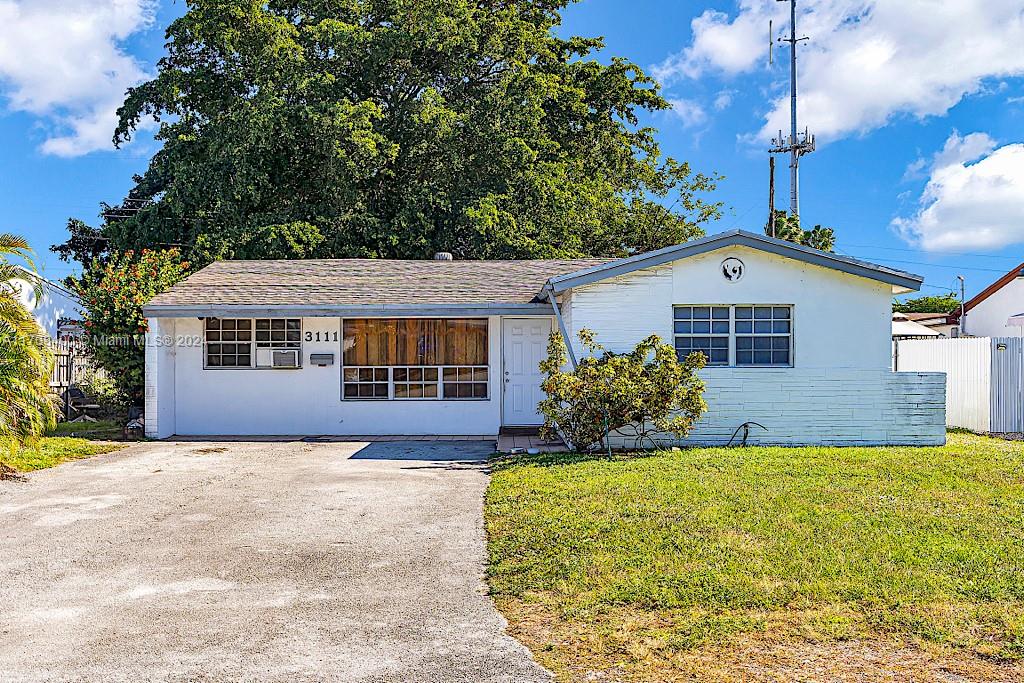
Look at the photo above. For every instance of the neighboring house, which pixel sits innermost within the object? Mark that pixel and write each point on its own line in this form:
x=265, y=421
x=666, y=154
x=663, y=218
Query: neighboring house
x=57, y=310
x=938, y=322
x=904, y=327
x=798, y=340
x=986, y=314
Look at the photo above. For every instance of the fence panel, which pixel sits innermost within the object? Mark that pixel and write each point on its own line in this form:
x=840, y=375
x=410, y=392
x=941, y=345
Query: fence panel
x=1007, y=375
x=71, y=360
x=967, y=363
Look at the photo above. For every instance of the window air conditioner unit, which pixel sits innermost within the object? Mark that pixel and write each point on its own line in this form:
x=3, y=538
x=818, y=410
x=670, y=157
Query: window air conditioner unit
x=286, y=358
x=277, y=358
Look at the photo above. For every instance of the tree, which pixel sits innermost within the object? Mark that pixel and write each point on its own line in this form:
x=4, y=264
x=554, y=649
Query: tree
x=640, y=394
x=113, y=296
x=396, y=128
x=26, y=361
x=947, y=303
x=787, y=227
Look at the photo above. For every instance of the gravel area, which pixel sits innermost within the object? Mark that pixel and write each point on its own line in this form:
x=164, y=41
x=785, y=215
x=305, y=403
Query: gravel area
x=242, y=561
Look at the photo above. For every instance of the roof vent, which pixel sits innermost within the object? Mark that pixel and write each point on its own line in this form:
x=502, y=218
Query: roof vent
x=444, y=256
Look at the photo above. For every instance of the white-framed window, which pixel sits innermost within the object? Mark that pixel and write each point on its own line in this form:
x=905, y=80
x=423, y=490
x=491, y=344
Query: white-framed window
x=740, y=335
x=250, y=342
x=415, y=359
x=764, y=335
x=704, y=329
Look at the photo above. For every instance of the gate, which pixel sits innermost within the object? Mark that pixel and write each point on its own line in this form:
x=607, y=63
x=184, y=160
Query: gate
x=1007, y=404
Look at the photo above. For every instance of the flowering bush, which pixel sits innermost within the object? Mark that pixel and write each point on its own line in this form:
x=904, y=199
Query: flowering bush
x=113, y=294
x=639, y=394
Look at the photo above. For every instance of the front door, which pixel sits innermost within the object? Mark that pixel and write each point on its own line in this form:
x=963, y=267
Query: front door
x=524, y=344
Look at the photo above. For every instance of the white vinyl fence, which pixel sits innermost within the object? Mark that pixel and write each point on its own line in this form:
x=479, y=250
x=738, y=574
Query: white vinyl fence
x=984, y=378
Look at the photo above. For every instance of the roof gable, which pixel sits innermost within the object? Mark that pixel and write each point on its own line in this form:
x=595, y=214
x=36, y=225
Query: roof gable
x=900, y=280
x=988, y=291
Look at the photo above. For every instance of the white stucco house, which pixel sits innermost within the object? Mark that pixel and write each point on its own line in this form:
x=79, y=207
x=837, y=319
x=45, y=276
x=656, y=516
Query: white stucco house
x=56, y=305
x=987, y=314
x=798, y=341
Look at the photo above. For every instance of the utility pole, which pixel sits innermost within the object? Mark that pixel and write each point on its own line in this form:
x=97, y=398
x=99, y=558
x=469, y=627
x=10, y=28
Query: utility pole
x=795, y=145
x=961, y=279
x=771, y=196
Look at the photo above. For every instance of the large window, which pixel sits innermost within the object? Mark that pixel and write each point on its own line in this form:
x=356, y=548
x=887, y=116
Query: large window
x=248, y=343
x=415, y=358
x=736, y=335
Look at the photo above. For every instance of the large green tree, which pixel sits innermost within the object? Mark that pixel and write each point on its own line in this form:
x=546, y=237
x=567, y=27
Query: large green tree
x=395, y=128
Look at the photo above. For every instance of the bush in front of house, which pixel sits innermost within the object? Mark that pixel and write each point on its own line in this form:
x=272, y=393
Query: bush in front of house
x=113, y=296
x=640, y=394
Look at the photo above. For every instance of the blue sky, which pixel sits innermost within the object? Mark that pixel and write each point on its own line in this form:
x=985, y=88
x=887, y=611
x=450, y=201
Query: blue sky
x=918, y=106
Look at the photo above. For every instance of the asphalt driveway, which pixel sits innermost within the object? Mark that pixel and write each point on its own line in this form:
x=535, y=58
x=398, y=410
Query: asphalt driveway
x=253, y=562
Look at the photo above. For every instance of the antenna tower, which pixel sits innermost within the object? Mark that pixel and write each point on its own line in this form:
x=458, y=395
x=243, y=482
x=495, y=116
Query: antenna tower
x=796, y=144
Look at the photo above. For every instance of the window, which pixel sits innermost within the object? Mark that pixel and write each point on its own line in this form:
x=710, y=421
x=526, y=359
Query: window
x=415, y=358
x=763, y=335
x=704, y=329
x=247, y=343
x=736, y=335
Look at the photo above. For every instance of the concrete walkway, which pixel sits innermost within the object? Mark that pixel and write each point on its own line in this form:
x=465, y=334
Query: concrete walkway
x=253, y=562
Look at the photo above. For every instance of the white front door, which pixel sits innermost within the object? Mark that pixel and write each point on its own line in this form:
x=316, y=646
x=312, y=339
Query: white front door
x=524, y=343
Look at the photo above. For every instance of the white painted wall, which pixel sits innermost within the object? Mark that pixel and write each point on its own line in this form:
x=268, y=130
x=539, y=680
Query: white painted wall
x=51, y=307
x=988, y=319
x=839, y=320
x=844, y=407
x=840, y=390
x=162, y=345
x=306, y=401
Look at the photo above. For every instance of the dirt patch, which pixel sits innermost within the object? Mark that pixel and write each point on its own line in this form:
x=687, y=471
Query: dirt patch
x=1008, y=436
x=8, y=473
x=210, y=449
x=610, y=650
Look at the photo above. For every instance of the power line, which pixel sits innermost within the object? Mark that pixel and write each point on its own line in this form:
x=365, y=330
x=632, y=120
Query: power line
x=944, y=253
x=930, y=265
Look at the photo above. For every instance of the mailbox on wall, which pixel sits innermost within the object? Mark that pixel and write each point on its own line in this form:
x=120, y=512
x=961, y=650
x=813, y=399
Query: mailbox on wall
x=321, y=359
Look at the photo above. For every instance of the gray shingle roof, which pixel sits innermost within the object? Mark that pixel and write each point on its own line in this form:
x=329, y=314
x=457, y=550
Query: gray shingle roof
x=357, y=282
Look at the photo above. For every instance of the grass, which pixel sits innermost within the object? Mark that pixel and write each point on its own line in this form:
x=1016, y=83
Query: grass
x=67, y=441
x=101, y=429
x=734, y=564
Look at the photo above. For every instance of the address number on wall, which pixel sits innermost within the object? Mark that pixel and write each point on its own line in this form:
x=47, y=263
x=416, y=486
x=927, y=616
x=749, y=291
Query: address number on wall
x=321, y=336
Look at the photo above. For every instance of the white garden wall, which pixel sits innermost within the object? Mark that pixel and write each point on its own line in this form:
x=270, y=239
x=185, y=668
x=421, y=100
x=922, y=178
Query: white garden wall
x=843, y=407
x=967, y=363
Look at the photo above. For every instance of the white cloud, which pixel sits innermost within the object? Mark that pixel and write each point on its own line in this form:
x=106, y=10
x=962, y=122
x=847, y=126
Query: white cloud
x=723, y=99
x=957, y=150
x=690, y=112
x=867, y=60
x=64, y=62
x=974, y=197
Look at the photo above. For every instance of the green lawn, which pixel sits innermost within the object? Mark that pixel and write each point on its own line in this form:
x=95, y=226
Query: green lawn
x=650, y=566
x=53, y=450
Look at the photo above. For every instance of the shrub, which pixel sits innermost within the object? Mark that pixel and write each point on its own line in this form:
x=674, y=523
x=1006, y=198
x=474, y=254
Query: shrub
x=113, y=295
x=99, y=386
x=640, y=394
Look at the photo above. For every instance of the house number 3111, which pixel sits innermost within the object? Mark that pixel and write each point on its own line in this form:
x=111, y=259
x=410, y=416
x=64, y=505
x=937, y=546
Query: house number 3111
x=321, y=336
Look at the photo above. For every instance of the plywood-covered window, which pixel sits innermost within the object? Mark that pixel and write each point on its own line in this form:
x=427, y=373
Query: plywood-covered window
x=416, y=358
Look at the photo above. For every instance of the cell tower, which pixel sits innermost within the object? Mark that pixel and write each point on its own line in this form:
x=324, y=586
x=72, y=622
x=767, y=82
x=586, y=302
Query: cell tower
x=796, y=144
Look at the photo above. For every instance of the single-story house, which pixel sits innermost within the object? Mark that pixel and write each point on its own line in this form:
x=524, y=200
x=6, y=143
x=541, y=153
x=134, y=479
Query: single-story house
x=988, y=313
x=57, y=310
x=798, y=340
x=937, y=322
x=905, y=327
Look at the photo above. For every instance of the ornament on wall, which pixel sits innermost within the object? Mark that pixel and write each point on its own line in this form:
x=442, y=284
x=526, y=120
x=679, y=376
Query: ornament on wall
x=733, y=269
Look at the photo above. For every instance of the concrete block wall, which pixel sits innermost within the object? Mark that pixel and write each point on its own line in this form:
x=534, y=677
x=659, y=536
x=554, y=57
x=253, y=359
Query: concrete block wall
x=840, y=407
